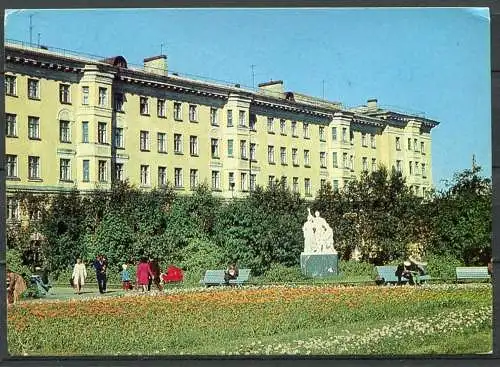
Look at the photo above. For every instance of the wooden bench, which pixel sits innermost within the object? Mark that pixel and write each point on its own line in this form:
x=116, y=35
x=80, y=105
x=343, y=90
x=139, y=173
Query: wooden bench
x=216, y=277
x=472, y=273
x=387, y=274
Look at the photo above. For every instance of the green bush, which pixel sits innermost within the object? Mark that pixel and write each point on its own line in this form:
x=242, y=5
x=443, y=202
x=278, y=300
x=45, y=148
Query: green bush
x=278, y=273
x=15, y=263
x=352, y=268
x=442, y=266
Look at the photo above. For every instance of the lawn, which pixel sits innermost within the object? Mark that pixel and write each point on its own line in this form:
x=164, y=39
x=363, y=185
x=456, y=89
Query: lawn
x=305, y=319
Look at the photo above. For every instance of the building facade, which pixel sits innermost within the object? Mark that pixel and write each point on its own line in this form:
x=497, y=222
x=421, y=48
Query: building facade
x=73, y=122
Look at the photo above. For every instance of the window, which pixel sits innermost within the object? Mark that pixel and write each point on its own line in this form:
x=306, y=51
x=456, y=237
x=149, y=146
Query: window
x=417, y=172
x=85, y=131
x=398, y=143
x=252, y=182
x=398, y=166
x=270, y=154
x=374, y=165
x=162, y=142
x=193, y=116
x=270, y=181
x=243, y=149
x=64, y=96
x=284, y=179
x=422, y=147
x=178, y=143
x=33, y=167
x=373, y=141
x=103, y=176
x=215, y=180
x=213, y=117
x=162, y=176
x=307, y=186
x=345, y=162
x=409, y=143
x=322, y=183
x=33, y=127
x=119, y=171
x=334, y=133
x=283, y=155
x=119, y=102
x=363, y=140
x=11, y=165
x=101, y=133
x=12, y=209
x=295, y=184
x=294, y=157
x=424, y=174
x=215, y=148
x=352, y=137
x=335, y=185
x=10, y=85
x=365, y=164
x=103, y=97
x=306, y=131
x=85, y=96
x=294, y=128
x=119, y=138
x=415, y=145
x=242, y=118
x=86, y=170
x=283, y=126
x=193, y=178
x=193, y=145
x=143, y=106
x=177, y=111
x=344, y=135
x=244, y=182
x=144, y=175
x=322, y=159
x=306, y=158
x=160, y=108
x=252, y=152
x=322, y=133
x=11, y=125
x=230, y=147
x=64, y=169
x=410, y=165
x=251, y=123
x=144, y=135
x=229, y=118
x=33, y=89
x=335, y=162
x=270, y=124
x=351, y=162
x=231, y=181
x=64, y=133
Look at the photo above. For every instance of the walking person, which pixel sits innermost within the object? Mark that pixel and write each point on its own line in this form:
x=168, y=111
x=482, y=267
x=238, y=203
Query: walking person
x=156, y=271
x=79, y=275
x=100, y=273
x=125, y=276
x=143, y=274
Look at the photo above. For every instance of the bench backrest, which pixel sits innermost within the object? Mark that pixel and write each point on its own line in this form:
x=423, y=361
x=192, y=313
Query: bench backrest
x=387, y=272
x=472, y=272
x=217, y=276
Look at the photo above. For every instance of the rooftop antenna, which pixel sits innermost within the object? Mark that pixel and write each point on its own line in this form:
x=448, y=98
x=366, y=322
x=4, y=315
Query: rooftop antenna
x=31, y=29
x=38, y=39
x=161, y=49
x=253, y=76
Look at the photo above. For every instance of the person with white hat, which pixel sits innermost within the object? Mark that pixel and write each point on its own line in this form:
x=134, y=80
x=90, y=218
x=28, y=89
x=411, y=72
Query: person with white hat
x=403, y=271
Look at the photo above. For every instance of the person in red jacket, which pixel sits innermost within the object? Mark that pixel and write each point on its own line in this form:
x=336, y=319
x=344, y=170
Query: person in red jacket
x=143, y=274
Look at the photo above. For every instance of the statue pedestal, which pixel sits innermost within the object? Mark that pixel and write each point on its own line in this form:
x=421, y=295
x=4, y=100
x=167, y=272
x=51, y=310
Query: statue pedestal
x=319, y=265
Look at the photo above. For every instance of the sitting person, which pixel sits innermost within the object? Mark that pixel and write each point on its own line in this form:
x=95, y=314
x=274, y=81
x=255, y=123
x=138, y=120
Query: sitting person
x=231, y=272
x=15, y=287
x=411, y=269
x=403, y=271
x=172, y=274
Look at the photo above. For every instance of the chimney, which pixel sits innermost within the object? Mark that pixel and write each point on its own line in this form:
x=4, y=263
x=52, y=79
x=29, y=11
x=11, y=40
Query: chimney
x=272, y=88
x=372, y=104
x=156, y=65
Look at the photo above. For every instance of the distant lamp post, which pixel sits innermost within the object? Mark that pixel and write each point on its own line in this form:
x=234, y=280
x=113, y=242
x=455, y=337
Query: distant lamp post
x=231, y=186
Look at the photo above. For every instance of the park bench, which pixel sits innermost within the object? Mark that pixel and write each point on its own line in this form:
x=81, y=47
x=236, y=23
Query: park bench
x=216, y=277
x=472, y=273
x=387, y=275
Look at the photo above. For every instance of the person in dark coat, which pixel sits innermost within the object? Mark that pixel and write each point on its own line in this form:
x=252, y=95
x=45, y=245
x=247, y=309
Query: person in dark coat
x=154, y=267
x=231, y=272
x=100, y=272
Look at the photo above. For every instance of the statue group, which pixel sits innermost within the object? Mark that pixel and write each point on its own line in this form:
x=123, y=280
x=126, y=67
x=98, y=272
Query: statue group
x=318, y=235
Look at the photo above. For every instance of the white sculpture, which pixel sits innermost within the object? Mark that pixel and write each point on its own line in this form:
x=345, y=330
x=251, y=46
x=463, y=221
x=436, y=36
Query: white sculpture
x=318, y=235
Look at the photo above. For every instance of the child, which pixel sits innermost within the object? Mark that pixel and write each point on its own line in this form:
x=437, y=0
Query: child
x=125, y=278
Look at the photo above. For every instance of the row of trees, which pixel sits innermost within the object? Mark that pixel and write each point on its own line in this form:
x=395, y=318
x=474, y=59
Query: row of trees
x=377, y=213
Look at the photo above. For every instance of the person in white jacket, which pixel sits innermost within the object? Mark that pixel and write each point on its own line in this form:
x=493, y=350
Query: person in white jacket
x=79, y=275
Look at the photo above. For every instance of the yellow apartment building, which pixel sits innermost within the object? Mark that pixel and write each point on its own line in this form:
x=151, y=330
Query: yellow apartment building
x=78, y=122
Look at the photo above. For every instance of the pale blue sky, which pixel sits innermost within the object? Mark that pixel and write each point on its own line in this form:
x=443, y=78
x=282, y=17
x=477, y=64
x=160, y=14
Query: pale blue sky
x=435, y=61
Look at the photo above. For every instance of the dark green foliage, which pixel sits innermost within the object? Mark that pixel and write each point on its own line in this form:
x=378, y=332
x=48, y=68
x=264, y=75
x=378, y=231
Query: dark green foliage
x=278, y=273
x=442, y=267
x=353, y=268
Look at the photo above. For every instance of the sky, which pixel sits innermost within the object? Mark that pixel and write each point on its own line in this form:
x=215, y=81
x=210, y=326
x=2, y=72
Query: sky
x=430, y=61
